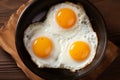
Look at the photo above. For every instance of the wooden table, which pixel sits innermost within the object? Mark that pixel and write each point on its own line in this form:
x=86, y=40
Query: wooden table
x=8, y=68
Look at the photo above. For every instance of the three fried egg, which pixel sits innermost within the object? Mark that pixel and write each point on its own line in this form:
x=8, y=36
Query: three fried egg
x=64, y=40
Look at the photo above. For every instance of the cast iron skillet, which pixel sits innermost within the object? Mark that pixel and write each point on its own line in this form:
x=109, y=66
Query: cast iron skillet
x=37, y=11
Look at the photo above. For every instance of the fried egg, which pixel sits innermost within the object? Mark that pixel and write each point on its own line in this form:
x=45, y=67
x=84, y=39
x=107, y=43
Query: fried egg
x=41, y=46
x=65, y=18
x=79, y=51
x=65, y=39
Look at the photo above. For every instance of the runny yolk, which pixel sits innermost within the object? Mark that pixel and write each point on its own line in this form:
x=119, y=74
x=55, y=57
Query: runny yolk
x=42, y=47
x=79, y=51
x=66, y=18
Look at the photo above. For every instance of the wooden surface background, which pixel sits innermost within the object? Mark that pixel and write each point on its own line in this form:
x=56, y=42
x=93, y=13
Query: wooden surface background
x=110, y=10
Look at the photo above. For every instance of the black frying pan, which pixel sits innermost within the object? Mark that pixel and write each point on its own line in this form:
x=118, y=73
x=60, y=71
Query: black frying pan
x=37, y=11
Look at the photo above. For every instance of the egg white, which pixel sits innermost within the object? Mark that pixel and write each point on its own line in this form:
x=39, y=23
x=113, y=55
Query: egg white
x=62, y=38
x=69, y=63
x=67, y=33
x=37, y=30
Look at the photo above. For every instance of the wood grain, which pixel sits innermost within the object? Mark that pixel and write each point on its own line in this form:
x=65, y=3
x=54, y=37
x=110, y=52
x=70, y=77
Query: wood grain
x=7, y=64
x=9, y=69
x=7, y=7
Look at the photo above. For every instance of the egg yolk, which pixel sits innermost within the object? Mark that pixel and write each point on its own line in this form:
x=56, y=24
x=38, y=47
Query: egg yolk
x=79, y=51
x=66, y=18
x=42, y=47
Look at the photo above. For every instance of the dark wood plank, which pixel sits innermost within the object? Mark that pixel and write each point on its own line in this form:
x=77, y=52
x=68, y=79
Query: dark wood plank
x=110, y=9
x=113, y=71
x=8, y=67
x=7, y=7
